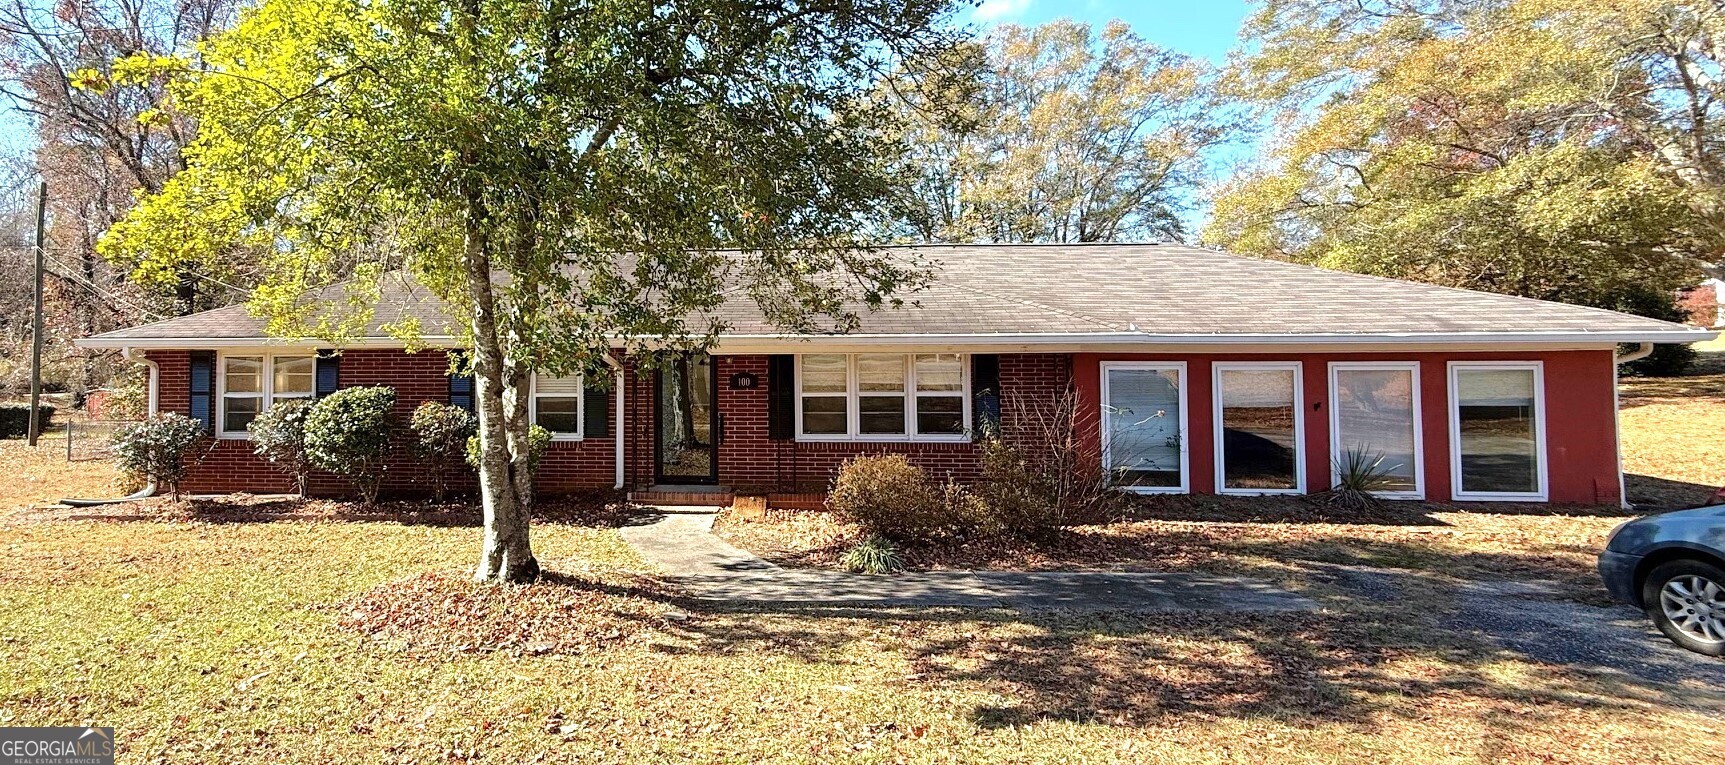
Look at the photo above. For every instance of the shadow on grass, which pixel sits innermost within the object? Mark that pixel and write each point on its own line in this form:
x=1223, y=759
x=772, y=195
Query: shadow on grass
x=595, y=509
x=1354, y=666
x=1651, y=494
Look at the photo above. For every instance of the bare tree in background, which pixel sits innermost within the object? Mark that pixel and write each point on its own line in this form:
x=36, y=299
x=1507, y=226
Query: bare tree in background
x=97, y=147
x=1063, y=134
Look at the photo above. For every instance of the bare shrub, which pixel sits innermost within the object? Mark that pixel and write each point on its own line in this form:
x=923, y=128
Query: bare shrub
x=1040, y=474
x=895, y=500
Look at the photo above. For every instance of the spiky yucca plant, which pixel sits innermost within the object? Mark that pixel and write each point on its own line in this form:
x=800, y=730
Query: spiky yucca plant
x=1360, y=475
x=874, y=555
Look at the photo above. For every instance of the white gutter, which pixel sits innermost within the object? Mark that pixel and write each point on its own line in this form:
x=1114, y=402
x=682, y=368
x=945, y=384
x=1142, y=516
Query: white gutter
x=1021, y=339
x=617, y=427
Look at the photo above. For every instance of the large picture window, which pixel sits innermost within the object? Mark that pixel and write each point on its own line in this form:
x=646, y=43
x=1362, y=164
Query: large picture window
x=1144, y=425
x=557, y=405
x=882, y=396
x=1375, y=425
x=1497, y=428
x=1258, y=416
x=250, y=384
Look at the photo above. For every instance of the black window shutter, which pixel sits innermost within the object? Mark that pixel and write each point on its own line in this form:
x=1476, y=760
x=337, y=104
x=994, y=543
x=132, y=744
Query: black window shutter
x=460, y=388
x=328, y=373
x=781, y=397
x=985, y=392
x=596, y=410
x=203, y=388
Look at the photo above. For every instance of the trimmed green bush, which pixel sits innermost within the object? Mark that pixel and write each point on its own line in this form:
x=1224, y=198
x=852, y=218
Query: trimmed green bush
x=15, y=419
x=155, y=449
x=440, y=434
x=278, y=435
x=348, y=433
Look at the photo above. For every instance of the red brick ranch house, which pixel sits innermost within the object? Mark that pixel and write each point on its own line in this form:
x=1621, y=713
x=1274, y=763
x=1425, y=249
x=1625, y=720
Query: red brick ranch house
x=1199, y=371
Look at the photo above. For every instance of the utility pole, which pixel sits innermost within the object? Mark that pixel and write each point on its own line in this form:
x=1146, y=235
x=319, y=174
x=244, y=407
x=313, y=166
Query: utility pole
x=36, y=322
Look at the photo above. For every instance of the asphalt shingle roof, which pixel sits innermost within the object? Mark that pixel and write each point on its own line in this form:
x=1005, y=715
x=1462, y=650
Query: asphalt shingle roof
x=1156, y=290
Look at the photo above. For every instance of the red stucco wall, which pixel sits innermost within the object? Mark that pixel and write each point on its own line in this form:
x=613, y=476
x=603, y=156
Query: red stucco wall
x=1580, y=413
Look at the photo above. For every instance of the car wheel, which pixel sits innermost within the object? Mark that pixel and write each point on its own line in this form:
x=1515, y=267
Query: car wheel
x=1686, y=599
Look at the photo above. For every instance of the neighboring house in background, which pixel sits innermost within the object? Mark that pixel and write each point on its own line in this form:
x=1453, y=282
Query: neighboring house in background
x=1181, y=383
x=1702, y=301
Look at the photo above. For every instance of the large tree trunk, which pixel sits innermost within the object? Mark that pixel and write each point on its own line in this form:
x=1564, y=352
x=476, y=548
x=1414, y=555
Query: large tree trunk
x=505, y=476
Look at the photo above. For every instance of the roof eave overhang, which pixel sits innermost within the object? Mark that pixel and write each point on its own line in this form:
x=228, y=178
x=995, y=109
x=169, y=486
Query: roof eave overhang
x=1139, y=342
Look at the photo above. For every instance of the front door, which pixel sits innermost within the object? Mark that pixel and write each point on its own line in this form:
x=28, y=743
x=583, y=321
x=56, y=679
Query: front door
x=688, y=448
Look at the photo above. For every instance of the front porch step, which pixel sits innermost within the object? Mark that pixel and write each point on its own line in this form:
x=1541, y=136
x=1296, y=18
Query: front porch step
x=692, y=496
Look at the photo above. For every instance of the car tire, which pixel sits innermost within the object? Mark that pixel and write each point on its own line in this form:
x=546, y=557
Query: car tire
x=1686, y=600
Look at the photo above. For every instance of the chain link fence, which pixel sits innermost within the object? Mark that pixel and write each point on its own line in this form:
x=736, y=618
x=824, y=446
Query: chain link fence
x=91, y=439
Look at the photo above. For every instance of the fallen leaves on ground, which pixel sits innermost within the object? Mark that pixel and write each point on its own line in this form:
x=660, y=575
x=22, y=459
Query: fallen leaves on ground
x=1547, y=544
x=446, y=611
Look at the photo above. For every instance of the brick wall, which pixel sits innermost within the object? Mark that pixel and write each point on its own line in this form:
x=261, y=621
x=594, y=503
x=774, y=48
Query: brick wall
x=750, y=461
x=229, y=465
x=1580, y=424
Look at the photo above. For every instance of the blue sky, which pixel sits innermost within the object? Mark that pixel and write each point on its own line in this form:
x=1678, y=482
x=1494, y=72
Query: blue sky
x=1206, y=28
x=1203, y=27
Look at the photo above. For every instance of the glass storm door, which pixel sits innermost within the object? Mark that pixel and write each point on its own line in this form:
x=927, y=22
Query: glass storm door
x=688, y=448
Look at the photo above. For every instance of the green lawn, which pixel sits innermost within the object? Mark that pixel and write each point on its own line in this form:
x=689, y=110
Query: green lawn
x=235, y=642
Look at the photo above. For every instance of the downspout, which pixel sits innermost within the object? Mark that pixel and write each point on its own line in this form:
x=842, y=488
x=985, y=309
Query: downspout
x=1641, y=351
x=617, y=429
x=149, y=489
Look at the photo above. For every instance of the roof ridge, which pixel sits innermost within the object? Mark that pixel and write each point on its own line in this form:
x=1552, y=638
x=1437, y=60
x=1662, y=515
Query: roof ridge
x=1041, y=306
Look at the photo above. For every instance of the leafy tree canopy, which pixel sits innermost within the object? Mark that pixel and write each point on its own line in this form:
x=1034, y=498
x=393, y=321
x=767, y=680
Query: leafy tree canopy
x=564, y=173
x=1560, y=149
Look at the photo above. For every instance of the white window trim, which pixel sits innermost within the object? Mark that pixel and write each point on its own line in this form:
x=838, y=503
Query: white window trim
x=1217, y=369
x=853, y=409
x=1539, y=415
x=1185, y=486
x=267, y=397
x=1419, y=491
x=580, y=407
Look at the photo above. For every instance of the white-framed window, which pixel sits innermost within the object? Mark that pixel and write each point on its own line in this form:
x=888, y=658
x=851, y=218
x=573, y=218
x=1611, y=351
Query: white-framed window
x=1144, y=443
x=882, y=397
x=1497, y=430
x=1260, y=428
x=248, y=383
x=555, y=404
x=1376, y=424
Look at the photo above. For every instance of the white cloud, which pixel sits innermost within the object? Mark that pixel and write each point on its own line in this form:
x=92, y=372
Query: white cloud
x=997, y=10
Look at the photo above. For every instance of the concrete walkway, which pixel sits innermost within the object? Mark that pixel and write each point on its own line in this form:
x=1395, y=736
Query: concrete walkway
x=683, y=544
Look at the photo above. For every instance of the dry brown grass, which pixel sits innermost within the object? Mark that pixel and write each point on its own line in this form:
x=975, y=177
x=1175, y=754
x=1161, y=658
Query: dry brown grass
x=42, y=475
x=260, y=630
x=567, y=612
x=237, y=642
x=1674, y=435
